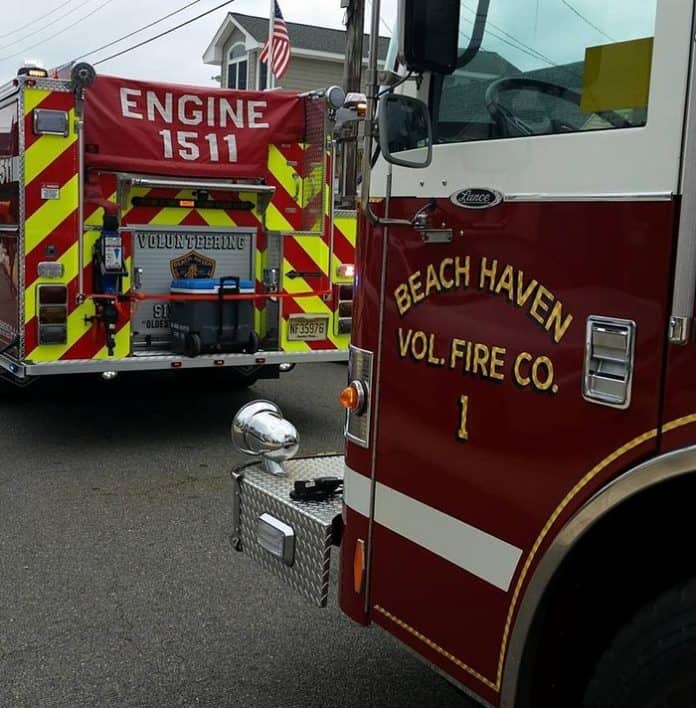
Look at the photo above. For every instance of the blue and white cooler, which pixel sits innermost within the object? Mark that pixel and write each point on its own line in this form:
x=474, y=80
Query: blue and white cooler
x=208, y=326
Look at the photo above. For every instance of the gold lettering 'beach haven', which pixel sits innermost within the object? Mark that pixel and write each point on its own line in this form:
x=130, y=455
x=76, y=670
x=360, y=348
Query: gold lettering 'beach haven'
x=488, y=274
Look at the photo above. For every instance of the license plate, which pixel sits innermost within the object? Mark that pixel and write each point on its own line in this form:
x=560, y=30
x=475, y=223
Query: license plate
x=304, y=329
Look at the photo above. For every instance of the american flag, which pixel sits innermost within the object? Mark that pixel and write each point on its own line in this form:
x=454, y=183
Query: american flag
x=281, y=44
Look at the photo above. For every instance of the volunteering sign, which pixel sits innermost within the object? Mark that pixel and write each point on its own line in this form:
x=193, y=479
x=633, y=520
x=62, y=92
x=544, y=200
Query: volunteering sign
x=158, y=128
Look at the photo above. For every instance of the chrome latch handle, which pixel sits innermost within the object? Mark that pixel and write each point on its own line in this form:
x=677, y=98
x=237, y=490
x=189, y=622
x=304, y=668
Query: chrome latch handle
x=137, y=278
x=609, y=361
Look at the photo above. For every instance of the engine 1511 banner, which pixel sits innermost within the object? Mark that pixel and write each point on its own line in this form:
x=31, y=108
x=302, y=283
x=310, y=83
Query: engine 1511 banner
x=136, y=126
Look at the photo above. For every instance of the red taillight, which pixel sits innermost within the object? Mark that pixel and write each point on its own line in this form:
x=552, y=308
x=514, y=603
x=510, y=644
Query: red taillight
x=53, y=295
x=52, y=314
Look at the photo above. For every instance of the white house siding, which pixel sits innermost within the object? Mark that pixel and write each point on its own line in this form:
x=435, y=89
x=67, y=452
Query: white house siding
x=251, y=72
x=307, y=74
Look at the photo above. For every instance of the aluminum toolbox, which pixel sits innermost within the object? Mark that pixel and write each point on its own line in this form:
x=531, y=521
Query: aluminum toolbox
x=315, y=524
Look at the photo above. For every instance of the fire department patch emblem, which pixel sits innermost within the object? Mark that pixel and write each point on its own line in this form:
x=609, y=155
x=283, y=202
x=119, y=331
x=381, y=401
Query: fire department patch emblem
x=192, y=265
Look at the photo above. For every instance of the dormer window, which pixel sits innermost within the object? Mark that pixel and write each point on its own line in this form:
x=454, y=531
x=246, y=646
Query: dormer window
x=237, y=66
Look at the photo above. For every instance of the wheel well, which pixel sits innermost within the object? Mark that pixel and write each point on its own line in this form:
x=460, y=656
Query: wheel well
x=623, y=562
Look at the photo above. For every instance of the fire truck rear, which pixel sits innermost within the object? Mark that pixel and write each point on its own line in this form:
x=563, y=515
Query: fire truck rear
x=520, y=462
x=153, y=226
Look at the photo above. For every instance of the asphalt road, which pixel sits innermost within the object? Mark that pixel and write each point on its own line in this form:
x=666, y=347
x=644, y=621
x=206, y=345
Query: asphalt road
x=118, y=585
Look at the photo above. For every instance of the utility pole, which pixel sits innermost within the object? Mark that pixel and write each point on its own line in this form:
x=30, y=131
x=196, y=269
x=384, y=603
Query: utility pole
x=352, y=76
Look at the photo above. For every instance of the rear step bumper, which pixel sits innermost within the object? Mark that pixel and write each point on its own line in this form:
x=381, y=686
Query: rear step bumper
x=152, y=362
x=300, y=533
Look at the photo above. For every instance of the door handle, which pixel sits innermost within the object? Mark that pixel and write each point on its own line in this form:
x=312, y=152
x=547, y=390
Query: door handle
x=609, y=361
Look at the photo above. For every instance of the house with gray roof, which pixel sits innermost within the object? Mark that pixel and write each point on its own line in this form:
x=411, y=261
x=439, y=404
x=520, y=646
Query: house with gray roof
x=316, y=57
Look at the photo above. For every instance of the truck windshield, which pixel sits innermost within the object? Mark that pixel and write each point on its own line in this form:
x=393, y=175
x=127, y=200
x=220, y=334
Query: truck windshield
x=549, y=66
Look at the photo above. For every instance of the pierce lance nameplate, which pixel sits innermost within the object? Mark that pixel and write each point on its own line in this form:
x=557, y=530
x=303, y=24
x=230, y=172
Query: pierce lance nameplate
x=476, y=198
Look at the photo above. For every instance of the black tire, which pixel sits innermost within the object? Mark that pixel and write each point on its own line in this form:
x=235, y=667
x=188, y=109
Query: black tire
x=13, y=389
x=244, y=376
x=253, y=344
x=651, y=663
x=192, y=344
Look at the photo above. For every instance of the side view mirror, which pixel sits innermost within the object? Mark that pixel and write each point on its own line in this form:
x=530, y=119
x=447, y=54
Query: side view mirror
x=405, y=133
x=431, y=35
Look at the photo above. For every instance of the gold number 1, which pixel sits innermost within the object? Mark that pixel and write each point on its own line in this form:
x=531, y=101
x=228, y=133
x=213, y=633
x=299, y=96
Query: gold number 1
x=463, y=433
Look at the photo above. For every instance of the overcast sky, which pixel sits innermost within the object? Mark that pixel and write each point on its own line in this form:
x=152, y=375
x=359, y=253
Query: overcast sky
x=528, y=33
x=176, y=57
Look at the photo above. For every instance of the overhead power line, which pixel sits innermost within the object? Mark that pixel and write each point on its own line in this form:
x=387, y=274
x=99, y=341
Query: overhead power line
x=574, y=9
x=52, y=23
x=518, y=44
x=162, y=34
x=382, y=20
x=56, y=34
x=36, y=19
x=134, y=32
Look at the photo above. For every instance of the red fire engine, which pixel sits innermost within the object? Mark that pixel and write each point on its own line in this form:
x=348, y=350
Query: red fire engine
x=520, y=462
x=154, y=226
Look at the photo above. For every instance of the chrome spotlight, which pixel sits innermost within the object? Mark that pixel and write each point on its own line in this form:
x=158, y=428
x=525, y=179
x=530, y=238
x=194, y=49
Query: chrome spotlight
x=260, y=430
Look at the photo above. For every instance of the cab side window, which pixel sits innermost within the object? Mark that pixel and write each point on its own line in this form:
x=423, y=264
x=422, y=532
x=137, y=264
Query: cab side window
x=547, y=67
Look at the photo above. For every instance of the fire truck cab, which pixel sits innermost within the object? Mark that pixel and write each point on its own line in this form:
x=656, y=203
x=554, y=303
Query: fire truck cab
x=520, y=460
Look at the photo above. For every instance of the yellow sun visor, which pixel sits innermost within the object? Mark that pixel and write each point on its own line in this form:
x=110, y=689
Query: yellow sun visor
x=617, y=76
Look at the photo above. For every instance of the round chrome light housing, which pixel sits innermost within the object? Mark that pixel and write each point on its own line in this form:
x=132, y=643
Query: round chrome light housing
x=335, y=96
x=260, y=430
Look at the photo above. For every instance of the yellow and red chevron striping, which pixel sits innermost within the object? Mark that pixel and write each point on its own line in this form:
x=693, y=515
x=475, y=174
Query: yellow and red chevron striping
x=343, y=244
x=301, y=253
x=293, y=307
x=51, y=232
x=50, y=225
x=310, y=254
x=284, y=173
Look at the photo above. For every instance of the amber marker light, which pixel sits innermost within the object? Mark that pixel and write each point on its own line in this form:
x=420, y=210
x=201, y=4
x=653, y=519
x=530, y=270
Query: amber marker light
x=352, y=398
x=359, y=566
x=346, y=270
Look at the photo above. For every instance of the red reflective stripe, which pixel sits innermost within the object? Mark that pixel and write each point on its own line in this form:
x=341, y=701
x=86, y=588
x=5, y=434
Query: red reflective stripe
x=300, y=261
x=57, y=173
x=61, y=239
x=286, y=205
x=193, y=218
x=343, y=248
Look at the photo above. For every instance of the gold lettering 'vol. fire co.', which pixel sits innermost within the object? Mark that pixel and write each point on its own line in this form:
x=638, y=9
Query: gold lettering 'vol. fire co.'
x=474, y=359
x=485, y=361
x=488, y=274
x=478, y=360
